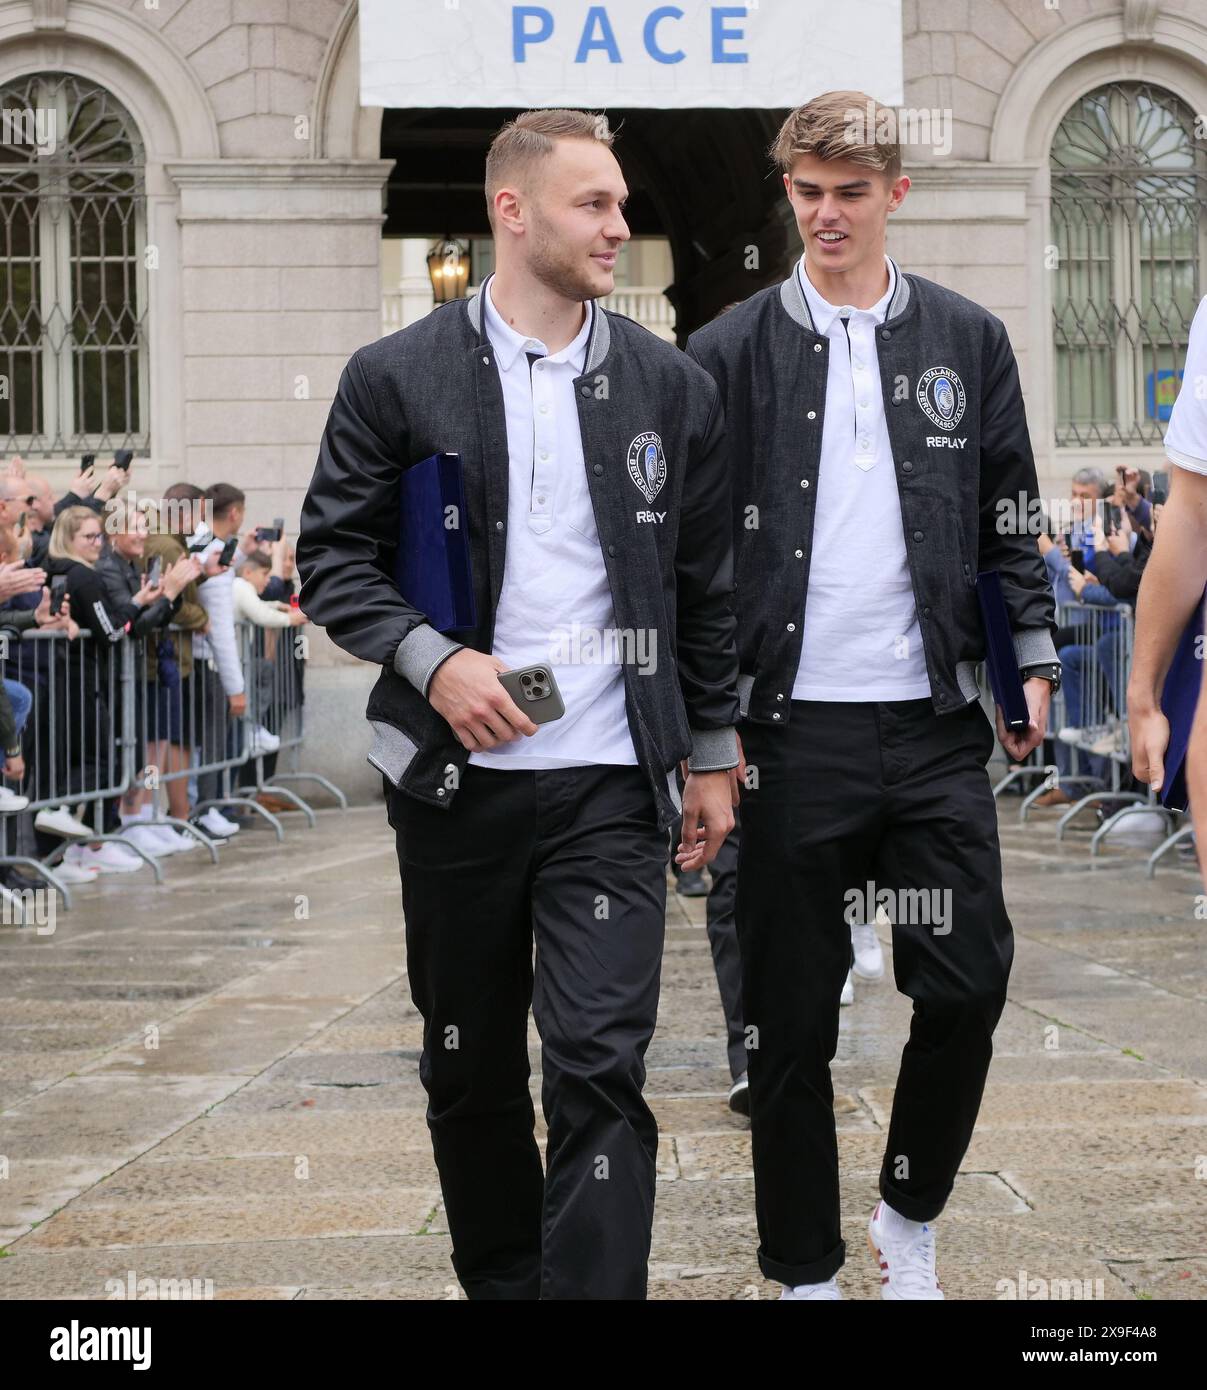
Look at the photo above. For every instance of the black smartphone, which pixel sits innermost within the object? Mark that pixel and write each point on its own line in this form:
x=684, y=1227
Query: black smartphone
x=58, y=591
x=155, y=571
x=1114, y=519
x=1077, y=559
x=228, y=551
x=121, y=459
x=268, y=533
x=1160, y=492
x=87, y=463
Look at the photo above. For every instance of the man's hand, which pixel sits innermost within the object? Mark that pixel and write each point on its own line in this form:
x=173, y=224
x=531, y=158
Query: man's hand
x=14, y=767
x=1150, y=740
x=1077, y=581
x=237, y=705
x=16, y=466
x=112, y=483
x=1019, y=744
x=180, y=576
x=708, y=802
x=466, y=692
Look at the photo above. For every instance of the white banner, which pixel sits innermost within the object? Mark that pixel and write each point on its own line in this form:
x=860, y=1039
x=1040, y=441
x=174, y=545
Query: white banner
x=766, y=53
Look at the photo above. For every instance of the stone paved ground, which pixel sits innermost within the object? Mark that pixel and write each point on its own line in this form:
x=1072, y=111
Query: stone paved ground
x=273, y=1141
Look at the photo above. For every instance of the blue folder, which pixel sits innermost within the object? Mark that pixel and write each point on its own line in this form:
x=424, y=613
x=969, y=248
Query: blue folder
x=1179, y=700
x=433, y=570
x=1001, y=661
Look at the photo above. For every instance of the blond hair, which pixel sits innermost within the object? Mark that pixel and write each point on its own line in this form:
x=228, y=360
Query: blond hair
x=841, y=125
x=522, y=142
x=66, y=528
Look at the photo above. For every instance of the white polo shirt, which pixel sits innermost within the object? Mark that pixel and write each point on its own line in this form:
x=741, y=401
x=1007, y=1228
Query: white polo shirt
x=555, y=606
x=1186, y=437
x=861, y=639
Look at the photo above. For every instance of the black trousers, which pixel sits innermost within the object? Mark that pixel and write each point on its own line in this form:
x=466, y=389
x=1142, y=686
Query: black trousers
x=848, y=794
x=570, y=860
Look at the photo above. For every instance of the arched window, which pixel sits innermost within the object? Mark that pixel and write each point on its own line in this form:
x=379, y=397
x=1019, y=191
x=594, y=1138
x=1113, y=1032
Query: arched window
x=72, y=279
x=1129, y=184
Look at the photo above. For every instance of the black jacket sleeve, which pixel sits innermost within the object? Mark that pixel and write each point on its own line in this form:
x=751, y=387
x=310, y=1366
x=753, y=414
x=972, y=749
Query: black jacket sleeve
x=706, y=626
x=90, y=607
x=349, y=537
x=1008, y=487
x=1120, y=574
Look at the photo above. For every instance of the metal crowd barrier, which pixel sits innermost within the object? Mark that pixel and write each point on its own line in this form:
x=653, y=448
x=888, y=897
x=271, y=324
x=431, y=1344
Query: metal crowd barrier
x=103, y=722
x=275, y=671
x=79, y=736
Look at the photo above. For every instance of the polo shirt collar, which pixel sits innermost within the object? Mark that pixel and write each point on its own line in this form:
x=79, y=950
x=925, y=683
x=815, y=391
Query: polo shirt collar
x=823, y=313
x=508, y=344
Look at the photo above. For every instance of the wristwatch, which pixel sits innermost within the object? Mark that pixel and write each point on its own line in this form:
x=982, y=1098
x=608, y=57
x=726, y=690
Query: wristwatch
x=1046, y=671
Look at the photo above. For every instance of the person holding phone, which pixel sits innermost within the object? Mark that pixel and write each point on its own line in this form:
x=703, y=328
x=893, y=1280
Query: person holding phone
x=596, y=499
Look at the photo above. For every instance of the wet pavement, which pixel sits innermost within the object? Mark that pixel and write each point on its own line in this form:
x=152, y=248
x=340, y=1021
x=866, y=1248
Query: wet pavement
x=216, y=1080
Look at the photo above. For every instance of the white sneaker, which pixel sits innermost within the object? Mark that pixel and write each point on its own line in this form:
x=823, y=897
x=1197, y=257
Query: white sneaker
x=1070, y=734
x=12, y=801
x=67, y=872
x=145, y=836
x=822, y=1293
x=739, y=1095
x=59, y=821
x=848, y=992
x=110, y=858
x=869, y=958
x=174, y=841
x=262, y=741
x=907, y=1264
x=215, y=823
x=1110, y=743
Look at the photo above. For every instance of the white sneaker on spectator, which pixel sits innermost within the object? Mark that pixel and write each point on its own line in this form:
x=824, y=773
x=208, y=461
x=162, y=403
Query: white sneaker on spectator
x=1070, y=734
x=905, y=1252
x=820, y=1293
x=58, y=820
x=869, y=958
x=144, y=835
x=215, y=823
x=11, y=800
x=177, y=840
x=74, y=873
x=262, y=741
x=848, y=992
x=1110, y=742
x=110, y=858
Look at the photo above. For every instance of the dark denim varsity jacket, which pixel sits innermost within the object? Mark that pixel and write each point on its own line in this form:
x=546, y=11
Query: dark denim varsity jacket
x=958, y=434
x=653, y=446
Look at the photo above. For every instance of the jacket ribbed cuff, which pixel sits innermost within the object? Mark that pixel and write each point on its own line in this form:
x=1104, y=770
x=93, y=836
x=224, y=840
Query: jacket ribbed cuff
x=1033, y=646
x=420, y=652
x=713, y=750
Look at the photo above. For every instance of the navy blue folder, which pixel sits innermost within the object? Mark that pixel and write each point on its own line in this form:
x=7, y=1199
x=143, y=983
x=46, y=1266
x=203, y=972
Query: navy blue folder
x=1179, y=699
x=433, y=570
x=1001, y=661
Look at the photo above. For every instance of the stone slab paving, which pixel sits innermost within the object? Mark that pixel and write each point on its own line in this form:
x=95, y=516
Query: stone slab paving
x=216, y=1079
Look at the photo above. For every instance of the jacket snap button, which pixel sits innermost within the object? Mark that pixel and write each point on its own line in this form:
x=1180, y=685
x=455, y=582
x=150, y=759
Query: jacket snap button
x=816, y=347
x=886, y=335
x=813, y=415
x=597, y=469
x=800, y=554
x=439, y=791
x=804, y=482
x=775, y=716
x=926, y=612
x=584, y=390
x=486, y=361
x=780, y=698
x=917, y=535
x=611, y=550
x=942, y=699
x=498, y=525
x=791, y=627
x=907, y=467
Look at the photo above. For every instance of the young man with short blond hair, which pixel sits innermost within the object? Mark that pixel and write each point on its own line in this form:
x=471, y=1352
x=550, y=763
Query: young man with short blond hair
x=875, y=421
x=596, y=498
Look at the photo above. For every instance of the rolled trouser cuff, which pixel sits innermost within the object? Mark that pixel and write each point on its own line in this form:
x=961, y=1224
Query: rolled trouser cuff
x=817, y=1272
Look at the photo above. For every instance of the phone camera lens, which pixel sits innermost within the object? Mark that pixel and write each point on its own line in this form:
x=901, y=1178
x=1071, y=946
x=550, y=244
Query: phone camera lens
x=525, y=680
